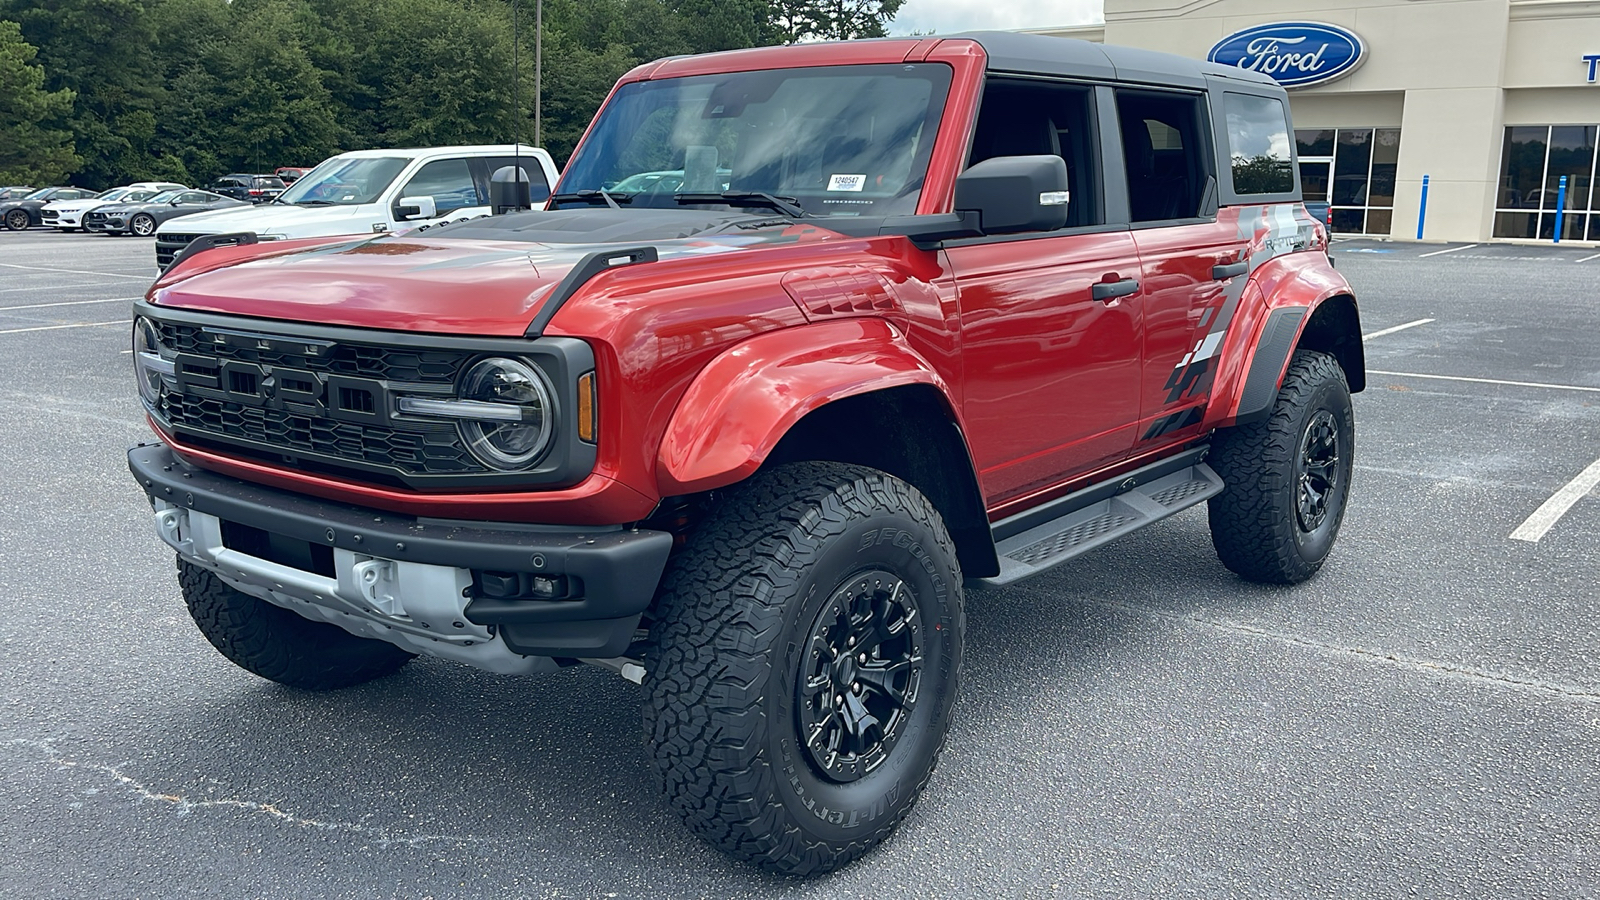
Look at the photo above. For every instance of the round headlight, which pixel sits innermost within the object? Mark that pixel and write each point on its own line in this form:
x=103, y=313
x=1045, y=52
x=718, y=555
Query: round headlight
x=513, y=436
x=147, y=362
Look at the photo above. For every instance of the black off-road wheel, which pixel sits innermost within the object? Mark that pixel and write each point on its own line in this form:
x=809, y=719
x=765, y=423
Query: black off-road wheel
x=18, y=220
x=803, y=665
x=142, y=225
x=1288, y=477
x=279, y=645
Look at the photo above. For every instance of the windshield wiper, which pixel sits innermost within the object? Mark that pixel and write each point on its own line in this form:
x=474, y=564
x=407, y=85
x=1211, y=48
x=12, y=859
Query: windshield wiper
x=609, y=198
x=314, y=203
x=789, y=206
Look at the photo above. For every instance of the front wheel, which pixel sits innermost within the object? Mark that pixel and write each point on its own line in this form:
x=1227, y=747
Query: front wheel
x=17, y=220
x=1288, y=477
x=803, y=665
x=142, y=225
x=280, y=645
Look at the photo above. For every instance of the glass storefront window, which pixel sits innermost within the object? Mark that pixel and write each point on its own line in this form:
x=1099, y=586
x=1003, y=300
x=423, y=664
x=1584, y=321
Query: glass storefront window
x=1385, y=161
x=1314, y=142
x=1352, y=169
x=1533, y=159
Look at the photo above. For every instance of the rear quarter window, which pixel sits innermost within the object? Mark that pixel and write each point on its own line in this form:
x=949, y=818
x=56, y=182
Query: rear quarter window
x=1258, y=142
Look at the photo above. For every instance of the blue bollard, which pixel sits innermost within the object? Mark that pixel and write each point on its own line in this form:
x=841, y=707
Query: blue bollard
x=1422, y=211
x=1561, y=207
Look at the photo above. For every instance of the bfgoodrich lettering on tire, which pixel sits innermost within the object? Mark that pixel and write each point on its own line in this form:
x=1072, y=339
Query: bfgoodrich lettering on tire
x=1288, y=477
x=804, y=664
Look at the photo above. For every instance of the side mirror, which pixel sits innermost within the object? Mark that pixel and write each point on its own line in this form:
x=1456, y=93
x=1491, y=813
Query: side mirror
x=415, y=208
x=1015, y=194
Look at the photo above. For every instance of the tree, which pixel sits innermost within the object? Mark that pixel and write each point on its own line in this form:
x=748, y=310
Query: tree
x=33, y=148
x=830, y=20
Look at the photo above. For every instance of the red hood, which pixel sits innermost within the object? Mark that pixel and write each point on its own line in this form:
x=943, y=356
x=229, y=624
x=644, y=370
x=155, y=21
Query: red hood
x=439, y=286
x=412, y=283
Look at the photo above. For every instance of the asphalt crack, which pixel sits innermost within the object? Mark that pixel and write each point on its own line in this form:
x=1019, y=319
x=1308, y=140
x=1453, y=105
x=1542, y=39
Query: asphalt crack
x=1482, y=677
x=143, y=792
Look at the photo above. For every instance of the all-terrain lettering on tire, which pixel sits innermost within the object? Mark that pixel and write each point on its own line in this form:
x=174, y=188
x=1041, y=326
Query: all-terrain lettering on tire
x=804, y=665
x=1288, y=477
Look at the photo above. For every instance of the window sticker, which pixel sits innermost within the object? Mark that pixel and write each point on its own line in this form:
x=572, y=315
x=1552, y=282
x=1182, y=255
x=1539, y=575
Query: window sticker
x=847, y=182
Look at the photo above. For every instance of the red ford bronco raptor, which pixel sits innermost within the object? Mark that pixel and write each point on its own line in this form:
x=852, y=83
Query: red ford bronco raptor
x=811, y=343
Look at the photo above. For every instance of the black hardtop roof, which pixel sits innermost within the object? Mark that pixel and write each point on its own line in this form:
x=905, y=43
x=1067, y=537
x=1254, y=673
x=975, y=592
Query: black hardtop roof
x=1038, y=54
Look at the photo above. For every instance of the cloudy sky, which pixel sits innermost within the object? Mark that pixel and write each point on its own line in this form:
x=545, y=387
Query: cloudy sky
x=945, y=16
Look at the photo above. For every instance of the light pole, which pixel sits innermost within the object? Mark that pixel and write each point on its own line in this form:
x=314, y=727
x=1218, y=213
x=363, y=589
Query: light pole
x=538, y=73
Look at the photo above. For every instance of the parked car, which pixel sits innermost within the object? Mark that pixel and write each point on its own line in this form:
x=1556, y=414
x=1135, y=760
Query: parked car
x=15, y=192
x=67, y=215
x=290, y=174
x=971, y=307
x=141, y=219
x=255, y=188
x=372, y=191
x=24, y=213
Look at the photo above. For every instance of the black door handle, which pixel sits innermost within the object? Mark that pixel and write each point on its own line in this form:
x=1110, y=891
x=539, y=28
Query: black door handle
x=1223, y=273
x=1110, y=290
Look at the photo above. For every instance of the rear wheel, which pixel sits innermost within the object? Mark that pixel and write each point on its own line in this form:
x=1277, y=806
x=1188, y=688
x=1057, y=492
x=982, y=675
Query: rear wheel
x=17, y=220
x=804, y=665
x=1288, y=477
x=279, y=645
x=142, y=225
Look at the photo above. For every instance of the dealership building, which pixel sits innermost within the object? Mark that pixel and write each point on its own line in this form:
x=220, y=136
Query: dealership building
x=1489, y=102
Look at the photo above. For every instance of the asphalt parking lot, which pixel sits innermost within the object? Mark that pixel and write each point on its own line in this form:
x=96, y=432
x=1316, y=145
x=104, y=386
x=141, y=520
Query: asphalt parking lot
x=1419, y=719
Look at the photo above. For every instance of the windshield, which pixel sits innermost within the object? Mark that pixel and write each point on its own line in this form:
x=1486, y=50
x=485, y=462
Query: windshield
x=118, y=194
x=41, y=193
x=838, y=140
x=345, y=182
x=165, y=197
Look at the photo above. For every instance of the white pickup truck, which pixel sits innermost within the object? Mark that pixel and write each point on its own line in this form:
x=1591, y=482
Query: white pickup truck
x=371, y=191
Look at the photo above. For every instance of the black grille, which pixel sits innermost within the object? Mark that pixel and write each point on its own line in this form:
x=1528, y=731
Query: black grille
x=427, y=450
x=360, y=360
x=279, y=396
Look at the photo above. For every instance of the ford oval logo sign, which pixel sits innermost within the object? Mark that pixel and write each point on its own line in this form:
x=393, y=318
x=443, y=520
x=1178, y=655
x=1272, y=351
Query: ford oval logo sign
x=1294, y=54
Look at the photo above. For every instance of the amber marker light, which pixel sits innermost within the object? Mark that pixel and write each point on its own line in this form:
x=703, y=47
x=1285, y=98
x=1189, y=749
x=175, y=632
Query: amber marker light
x=586, y=404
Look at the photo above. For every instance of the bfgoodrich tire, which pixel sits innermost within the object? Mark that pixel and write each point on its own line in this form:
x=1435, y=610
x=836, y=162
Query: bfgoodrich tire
x=279, y=645
x=804, y=664
x=1288, y=477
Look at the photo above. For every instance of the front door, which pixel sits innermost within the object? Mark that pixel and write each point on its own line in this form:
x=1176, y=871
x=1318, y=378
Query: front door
x=1051, y=373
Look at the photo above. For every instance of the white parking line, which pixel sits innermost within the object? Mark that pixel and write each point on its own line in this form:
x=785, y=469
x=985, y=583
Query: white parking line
x=79, y=272
x=1381, y=333
x=1536, y=384
x=4, y=309
x=57, y=327
x=1551, y=511
x=53, y=287
x=1450, y=250
x=1587, y=258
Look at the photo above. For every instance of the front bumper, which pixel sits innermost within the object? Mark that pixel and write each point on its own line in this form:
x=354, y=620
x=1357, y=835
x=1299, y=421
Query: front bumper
x=411, y=582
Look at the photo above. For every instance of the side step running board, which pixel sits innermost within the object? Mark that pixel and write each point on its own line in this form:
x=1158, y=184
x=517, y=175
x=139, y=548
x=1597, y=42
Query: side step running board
x=1086, y=527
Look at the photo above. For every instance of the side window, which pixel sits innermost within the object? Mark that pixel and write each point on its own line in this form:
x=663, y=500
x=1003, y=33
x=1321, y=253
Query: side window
x=1166, y=153
x=1030, y=119
x=1258, y=144
x=538, y=188
x=195, y=197
x=447, y=181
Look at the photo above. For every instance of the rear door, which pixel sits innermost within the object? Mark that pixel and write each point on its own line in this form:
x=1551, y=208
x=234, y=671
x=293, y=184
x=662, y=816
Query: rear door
x=1051, y=374
x=1188, y=257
